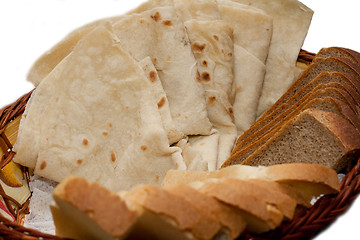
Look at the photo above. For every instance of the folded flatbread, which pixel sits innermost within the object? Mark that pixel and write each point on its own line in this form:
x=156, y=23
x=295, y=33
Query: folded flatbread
x=252, y=36
x=160, y=34
x=174, y=135
x=95, y=116
x=291, y=23
x=211, y=42
x=51, y=58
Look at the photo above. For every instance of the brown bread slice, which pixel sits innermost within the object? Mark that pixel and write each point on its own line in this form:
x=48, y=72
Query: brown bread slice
x=339, y=52
x=330, y=64
x=229, y=218
x=322, y=78
x=338, y=92
x=323, y=104
x=314, y=136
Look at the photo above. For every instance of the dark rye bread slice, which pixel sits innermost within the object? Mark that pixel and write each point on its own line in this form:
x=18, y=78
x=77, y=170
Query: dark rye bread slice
x=330, y=64
x=323, y=78
x=336, y=91
x=339, y=52
x=314, y=136
x=326, y=104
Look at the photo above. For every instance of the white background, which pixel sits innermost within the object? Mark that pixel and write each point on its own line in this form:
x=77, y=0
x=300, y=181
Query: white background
x=29, y=28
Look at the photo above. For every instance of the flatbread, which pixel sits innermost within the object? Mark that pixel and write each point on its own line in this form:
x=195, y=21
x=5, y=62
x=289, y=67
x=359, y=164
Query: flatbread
x=160, y=34
x=98, y=119
x=291, y=23
x=197, y=9
x=148, y=5
x=252, y=37
x=51, y=58
x=252, y=27
x=212, y=44
x=174, y=135
x=249, y=83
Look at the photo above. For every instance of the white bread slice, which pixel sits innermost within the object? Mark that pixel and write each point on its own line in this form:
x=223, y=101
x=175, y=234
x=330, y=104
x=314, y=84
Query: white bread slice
x=301, y=181
x=229, y=218
x=194, y=223
x=84, y=210
x=260, y=215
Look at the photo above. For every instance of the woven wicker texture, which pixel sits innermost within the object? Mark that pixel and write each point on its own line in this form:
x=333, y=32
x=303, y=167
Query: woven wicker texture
x=305, y=225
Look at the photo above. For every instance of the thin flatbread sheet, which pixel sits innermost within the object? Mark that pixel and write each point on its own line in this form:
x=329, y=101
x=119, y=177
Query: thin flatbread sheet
x=252, y=37
x=291, y=23
x=252, y=27
x=51, y=58
x=98, y=120
x=174, y=135
x=160, y=34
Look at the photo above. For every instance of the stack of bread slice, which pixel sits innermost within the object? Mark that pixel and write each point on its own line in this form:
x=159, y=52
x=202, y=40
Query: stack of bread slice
x=315, y=121
x=221, y=204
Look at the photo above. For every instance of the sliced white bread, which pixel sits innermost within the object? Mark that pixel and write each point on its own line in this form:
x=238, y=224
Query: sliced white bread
x=194, y=223
x=229, y=218
x=301, y=181
x=83, y=210
x=260, y=215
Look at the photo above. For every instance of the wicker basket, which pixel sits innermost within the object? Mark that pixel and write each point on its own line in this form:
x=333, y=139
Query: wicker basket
x=305, y=225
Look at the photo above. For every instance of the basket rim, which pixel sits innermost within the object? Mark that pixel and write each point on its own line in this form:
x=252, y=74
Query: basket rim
x=306, y=224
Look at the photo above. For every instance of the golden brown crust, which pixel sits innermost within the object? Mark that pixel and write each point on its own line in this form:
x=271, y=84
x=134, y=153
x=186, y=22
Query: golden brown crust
x=313, y=173
x=187, y=217
x=226, y=215
x=245, y=199
x=104, y=207
x=268, y=192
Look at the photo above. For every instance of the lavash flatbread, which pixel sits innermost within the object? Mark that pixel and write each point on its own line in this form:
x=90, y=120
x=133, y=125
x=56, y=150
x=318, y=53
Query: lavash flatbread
x=197, y=9
x=99, y=119
x=249, y=81
x=291, y=23
x=252, y=37
x=212, y=46
x=160, y=34
x=51, y=58
x=174, y=135
x=252, y=27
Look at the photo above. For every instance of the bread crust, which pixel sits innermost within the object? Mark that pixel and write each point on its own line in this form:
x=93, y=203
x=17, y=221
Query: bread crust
x=186, y=216
x=345, y=134
x=227, y=216
x=321, y=91
x=322, y=78
x=102, y=206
